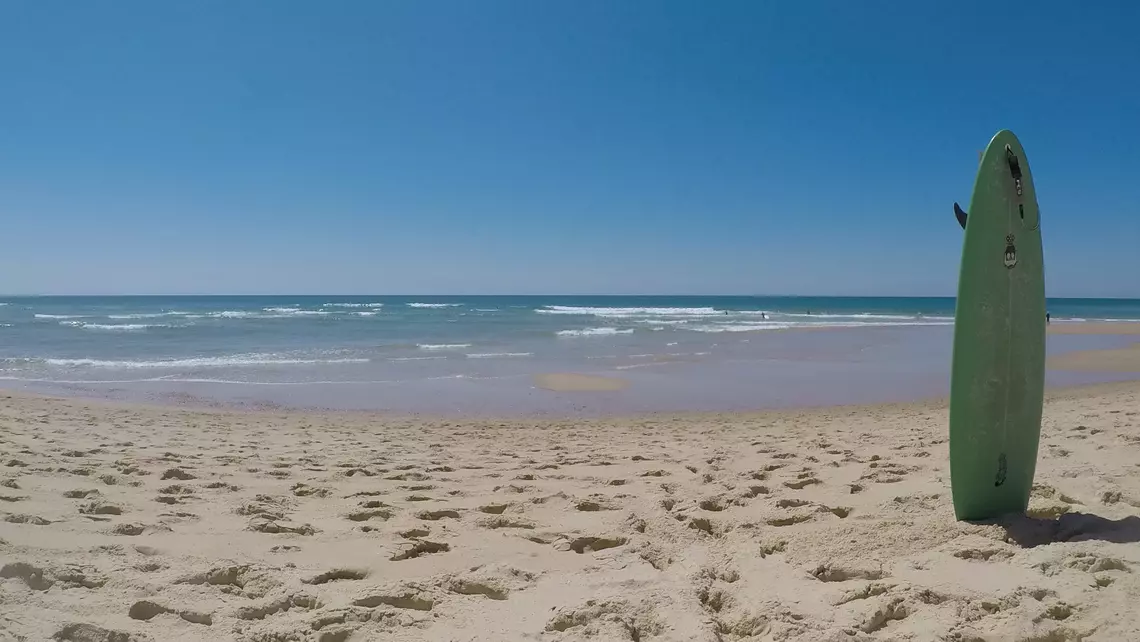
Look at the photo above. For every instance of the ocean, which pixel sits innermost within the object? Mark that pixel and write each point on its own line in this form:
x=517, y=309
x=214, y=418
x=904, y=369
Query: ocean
x=478, y=354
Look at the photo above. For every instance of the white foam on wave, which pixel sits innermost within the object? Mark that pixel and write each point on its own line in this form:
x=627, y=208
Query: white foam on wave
x=628, y=312
x=61, y=316
x=594, y=332
x=279, y=313
x=239, y=382
x=888, y=324
x=114, y=327
x=433, y=305
x=442, y=346
x=495, y=355
x=863, y=315
x=436, y=358
x=198, y=362
x=742, y=327
x=144, y=315
x=353, y=305
x=366, y=313
x=486, y=309
x=776, y=325
x=286, y=312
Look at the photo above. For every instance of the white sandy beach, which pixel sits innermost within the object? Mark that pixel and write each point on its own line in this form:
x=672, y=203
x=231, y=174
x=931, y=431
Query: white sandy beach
x=126, y=523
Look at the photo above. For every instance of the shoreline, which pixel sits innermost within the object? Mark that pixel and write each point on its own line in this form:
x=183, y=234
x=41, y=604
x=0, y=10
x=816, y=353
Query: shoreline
x=746, y=372
x=929, y=402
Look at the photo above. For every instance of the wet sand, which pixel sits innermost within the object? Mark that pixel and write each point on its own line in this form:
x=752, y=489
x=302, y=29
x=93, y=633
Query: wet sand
x=570, y=382
x=1115, y=360
x=1106, y=327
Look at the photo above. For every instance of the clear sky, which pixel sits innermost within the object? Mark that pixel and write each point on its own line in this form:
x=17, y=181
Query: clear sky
x=585, y=146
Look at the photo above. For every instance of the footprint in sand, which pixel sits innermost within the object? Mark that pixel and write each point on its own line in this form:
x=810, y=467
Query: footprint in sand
x=802, y=483
x=418, y=548
x=301, y=489
x=147, y=610
x=790, y=520
x=612, y=619
x=89, y=632
x=32, y=575
x=129, y=529
x=496, y=581
x=983, y=554
x=791, y=503
x=279, y=605
x=503, y=521
x=589, y=544
x=336, y=575
x=408, y=595
x=841, y=573
x=593, y=505
x=891, y=610
x=272, y=527
x=435, y=515
x=704, y=525
x=99, y=507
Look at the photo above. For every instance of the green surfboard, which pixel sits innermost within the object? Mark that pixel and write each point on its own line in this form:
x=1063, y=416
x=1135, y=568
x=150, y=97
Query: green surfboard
x=997, y=379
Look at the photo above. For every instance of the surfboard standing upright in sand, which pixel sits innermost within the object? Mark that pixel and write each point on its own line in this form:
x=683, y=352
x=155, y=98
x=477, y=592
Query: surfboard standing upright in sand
x=998, y=367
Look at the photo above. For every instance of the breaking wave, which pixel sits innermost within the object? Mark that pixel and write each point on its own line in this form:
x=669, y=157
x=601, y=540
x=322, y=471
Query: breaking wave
x=594, y=332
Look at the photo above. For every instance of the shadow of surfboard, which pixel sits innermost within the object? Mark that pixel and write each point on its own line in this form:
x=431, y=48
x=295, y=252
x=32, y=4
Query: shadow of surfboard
x=1028, y=532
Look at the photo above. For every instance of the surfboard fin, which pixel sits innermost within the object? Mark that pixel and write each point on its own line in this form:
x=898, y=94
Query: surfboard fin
x=960, y=214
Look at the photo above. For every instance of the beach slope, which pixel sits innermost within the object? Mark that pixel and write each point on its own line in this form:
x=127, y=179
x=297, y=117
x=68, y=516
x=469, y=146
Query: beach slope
x=138, y=523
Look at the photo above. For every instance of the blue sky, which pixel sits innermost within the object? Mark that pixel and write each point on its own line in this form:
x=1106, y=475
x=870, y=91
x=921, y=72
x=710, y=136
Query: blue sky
x=580, y=146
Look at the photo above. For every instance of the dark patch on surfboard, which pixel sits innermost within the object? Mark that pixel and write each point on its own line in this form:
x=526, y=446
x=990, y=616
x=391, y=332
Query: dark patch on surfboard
x=1014, y=168
x=1001, y=472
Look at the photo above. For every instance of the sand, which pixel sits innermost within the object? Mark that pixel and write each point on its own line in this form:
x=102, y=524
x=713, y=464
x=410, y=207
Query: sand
x=127, y=523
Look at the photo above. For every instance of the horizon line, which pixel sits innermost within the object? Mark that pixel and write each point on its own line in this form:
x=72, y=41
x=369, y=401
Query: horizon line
x=613, y=295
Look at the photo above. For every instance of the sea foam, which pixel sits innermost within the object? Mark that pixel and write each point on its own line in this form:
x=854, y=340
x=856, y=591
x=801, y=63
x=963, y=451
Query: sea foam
x=628, y=312
x=594, y=332
x=198, y=362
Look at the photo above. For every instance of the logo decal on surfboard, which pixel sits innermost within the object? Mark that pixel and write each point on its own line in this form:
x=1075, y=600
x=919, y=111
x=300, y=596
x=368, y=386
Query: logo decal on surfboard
x=1010, y=258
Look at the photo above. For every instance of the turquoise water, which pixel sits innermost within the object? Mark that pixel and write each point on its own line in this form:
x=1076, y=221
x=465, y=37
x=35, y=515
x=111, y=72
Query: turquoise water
x=386, y=352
